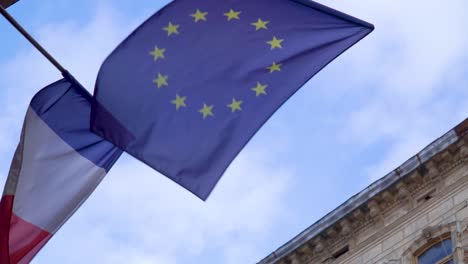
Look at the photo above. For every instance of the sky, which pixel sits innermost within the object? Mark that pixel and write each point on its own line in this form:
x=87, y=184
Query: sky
x=362, y=116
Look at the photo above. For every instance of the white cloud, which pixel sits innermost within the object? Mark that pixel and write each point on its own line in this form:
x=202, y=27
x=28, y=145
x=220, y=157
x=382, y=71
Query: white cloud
x=403, y=69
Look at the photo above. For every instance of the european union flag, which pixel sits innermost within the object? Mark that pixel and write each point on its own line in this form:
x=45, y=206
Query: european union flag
x=190, y=87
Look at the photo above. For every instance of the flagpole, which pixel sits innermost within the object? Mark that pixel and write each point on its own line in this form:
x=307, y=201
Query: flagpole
x=44, y=52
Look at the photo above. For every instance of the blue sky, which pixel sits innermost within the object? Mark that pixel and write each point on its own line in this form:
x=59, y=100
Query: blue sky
x=366, y=113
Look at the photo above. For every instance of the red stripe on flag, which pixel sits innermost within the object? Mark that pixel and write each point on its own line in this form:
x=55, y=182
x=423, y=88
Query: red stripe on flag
x=6, y=206
x=25, y=238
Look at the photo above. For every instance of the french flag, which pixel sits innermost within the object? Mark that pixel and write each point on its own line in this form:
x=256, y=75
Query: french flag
x=57, y=165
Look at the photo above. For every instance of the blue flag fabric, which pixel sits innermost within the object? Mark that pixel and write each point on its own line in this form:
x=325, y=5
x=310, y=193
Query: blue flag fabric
x=57, y=165
x=190, y=87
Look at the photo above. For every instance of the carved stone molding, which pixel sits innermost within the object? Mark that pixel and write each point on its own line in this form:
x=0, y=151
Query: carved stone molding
x=319, y=245
x=391, y=261
x=345, y=226
x=403, y=191
x=374, y=209
x=404, y=194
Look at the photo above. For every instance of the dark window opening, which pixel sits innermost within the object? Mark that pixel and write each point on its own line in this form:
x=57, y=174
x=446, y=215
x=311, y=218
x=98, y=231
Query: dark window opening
x=428, y=196
x=340, y=252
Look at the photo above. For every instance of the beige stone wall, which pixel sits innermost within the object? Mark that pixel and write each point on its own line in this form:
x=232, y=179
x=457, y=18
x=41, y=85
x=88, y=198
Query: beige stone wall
x=394, y=236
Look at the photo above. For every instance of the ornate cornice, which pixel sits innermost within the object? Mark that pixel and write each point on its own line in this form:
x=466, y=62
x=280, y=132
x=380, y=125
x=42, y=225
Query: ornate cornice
x=410, y=190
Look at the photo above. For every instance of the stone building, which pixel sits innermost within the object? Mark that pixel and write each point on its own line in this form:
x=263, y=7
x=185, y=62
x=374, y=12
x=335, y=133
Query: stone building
x=417, y=214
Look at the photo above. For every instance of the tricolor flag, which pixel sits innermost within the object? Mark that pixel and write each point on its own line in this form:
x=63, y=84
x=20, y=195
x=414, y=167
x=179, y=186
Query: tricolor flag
x=57, y=165
x=188, y=89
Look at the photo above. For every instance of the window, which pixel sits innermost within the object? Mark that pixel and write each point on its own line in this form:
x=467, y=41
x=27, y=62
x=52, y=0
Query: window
x=340, y=252
x=437, y=251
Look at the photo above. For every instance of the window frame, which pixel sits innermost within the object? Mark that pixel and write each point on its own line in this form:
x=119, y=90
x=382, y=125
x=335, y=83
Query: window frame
x=432, y=242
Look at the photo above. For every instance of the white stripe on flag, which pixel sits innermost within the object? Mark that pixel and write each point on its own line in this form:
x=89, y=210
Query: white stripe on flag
x=54, y=179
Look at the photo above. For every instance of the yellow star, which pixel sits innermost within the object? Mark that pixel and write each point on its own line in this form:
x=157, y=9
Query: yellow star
x=161, y=80
x=260, y=24
x=235, y=105
x=275, y=43
x=260, y=89
x=232, y=15
x=274, y=67
x=157, y=53
x=199, y=15
x=172, y=29
x=206, y=110
x=179, y=101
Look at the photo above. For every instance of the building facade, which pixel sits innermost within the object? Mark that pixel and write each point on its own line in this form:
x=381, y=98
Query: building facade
x=417, y=214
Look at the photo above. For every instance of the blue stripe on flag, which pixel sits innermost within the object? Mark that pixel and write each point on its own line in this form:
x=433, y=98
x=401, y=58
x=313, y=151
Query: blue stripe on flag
x=66, y=109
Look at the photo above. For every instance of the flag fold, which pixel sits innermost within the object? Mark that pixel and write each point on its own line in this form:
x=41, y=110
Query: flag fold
x=57, y=165
x=188, y=89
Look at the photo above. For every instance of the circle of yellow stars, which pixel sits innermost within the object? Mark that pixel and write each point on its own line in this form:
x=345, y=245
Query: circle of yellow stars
x=206, y=111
